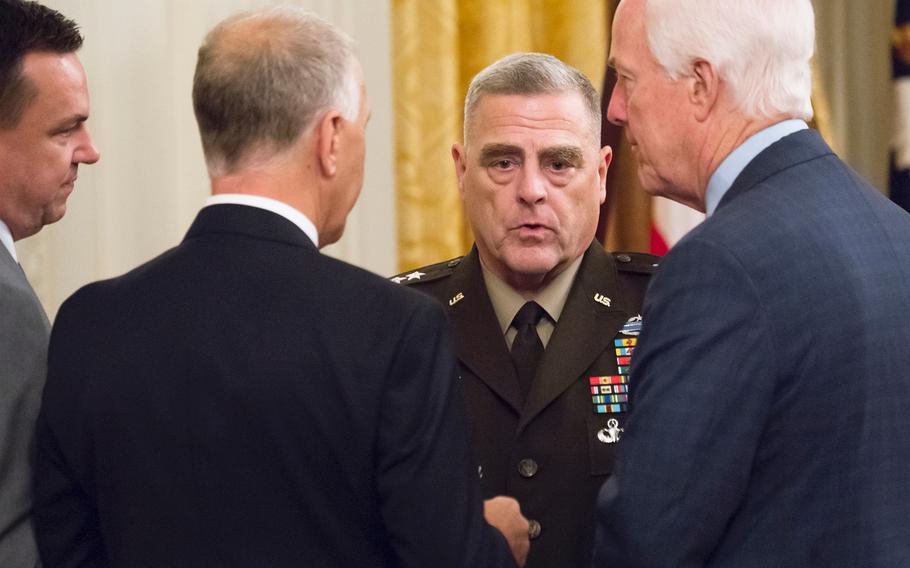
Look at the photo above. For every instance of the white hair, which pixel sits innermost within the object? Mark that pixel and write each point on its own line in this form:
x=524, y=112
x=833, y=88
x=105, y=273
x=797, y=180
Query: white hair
x=761, y=48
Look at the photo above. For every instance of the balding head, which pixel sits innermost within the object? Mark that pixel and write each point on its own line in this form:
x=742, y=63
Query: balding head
x=262, y=78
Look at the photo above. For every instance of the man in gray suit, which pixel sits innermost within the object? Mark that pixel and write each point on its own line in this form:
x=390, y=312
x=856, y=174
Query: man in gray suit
x=43, y=139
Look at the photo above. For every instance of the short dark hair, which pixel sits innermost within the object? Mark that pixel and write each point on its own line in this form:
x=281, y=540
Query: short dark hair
x=26, y=27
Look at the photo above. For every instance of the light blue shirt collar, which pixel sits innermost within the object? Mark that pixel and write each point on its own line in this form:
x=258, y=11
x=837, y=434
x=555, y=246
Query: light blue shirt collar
x=6, y=237
x=269, y=204
x=734, y=164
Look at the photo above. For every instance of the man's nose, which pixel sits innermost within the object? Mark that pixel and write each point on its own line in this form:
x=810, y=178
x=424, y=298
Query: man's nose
x=87, y=153
x=532, y=187
x=616, y=110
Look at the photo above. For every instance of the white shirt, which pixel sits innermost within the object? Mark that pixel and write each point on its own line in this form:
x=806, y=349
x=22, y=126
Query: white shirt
x=269, y=204
x=6, y=237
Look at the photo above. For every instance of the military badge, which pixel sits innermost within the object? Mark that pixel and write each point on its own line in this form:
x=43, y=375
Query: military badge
x=610, y=394
x=610, y=434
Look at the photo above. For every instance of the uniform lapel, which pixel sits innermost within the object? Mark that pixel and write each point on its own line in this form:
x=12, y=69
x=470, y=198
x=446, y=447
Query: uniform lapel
x=481, y=345
x=585, y=329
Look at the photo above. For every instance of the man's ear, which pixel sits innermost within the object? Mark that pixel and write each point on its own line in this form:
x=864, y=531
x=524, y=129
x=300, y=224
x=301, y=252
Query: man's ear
x=459, y=157
x=704, y=88
x=329, y=142
x=606, y=158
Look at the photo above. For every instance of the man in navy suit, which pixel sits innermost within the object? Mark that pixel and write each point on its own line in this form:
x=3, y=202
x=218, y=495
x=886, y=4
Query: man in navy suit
x=769, y=422
x=243, y=400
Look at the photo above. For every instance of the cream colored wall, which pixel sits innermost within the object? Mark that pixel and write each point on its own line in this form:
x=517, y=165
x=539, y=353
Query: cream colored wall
x=141, y=197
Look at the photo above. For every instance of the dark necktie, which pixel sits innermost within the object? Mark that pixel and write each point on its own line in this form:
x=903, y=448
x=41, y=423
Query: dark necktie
x=527, y=347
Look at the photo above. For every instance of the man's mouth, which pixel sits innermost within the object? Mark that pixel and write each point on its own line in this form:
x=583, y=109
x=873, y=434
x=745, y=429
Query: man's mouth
x=531, y=229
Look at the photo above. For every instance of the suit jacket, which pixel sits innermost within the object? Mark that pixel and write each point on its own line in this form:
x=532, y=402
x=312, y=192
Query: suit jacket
x=243, y=400
x=552, y=452
x=24, y=331
x=770, y=423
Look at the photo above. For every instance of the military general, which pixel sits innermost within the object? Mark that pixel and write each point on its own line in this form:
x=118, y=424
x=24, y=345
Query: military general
x=545, y=320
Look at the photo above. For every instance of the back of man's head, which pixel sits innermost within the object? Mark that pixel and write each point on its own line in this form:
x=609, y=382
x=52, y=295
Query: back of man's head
x=28, y=27
x=261, y=80
x=531, y=74
x=761, y=48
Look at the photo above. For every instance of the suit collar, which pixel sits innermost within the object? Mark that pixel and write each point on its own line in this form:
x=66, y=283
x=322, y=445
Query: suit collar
x=787, y=152
x=281, y=208
x=250, y=221
x=730, y=168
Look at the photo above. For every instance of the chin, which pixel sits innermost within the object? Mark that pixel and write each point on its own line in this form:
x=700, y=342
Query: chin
x=531, y=262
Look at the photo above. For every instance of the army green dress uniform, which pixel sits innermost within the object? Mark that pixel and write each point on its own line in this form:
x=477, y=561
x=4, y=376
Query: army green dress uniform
x=552, y=451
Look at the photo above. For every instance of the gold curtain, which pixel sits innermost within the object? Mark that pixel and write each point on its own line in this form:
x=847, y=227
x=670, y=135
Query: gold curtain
x=437, y=48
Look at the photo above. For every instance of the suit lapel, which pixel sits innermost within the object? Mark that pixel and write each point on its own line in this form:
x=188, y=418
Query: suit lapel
x=790, y=150
x=12, y=271
x=585, y=329
x=481, y=345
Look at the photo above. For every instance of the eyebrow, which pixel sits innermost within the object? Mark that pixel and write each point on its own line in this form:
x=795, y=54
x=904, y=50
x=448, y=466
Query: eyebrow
x=491, y=151
x=69, y=122
x=569, y=154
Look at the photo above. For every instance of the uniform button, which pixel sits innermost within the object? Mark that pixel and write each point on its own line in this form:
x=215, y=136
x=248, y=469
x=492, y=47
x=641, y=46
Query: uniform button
x=533, y=529
x=527, y=468
x=623, y=258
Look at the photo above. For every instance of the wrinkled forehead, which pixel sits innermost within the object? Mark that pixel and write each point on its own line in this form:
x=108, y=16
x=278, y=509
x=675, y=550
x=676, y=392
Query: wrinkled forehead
x=505, y=117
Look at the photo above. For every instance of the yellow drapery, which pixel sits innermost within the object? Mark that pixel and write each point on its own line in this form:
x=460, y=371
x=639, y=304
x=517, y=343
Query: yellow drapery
x=437, y=47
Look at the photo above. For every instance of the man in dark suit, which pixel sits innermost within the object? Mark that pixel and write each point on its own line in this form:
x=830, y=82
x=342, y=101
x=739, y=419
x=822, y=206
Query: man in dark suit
x=544, y=318
x=43, y=139
x=770, y=389
x=242, y=400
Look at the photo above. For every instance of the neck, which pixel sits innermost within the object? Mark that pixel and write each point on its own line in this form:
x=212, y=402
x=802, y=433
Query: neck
x=731, y=134
x=530, y=285
x=282, y=181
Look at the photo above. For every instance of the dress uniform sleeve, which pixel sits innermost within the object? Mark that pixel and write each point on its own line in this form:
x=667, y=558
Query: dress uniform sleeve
x=430, y=496
x=702, y=388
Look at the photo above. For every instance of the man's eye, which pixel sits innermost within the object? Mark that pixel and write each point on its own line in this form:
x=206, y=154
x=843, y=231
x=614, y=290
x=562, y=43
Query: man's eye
x=503, y=164
x=561, y=165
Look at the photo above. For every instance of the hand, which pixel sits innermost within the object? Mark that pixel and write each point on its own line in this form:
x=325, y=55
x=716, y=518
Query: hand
x=504, y=513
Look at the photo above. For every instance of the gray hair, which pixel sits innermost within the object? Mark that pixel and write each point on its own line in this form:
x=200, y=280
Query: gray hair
x=262, y=77
x=531, y=74
x=761, y=48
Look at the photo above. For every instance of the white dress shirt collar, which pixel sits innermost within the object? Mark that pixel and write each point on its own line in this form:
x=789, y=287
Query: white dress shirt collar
x=269, y=204
x=6, y=237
